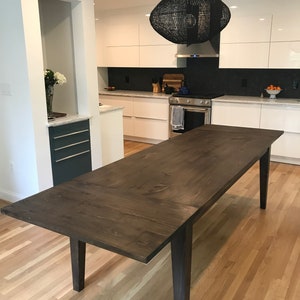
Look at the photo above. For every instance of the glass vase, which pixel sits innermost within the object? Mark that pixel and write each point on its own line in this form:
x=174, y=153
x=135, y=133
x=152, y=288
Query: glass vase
x=49, y=99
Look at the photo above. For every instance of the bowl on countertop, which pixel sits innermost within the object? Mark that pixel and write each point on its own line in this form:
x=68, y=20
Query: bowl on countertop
x=273, y=93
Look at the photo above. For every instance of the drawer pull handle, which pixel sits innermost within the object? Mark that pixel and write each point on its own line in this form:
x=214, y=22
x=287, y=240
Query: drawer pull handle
x=71, y=145
x=71, y=156
x=69, y=134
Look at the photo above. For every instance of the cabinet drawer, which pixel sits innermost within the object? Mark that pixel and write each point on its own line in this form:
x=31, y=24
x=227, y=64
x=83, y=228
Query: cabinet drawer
x=60, y=154
x=279, y=117
x=70, y=168
x=125, y=102
x=70, y=150
x=287, y=145
x=69, y=128
x=151, y=129
x=70, y=139
x=151, y=108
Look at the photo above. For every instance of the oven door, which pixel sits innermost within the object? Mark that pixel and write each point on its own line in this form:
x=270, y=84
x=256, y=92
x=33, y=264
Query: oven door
x=193, y=117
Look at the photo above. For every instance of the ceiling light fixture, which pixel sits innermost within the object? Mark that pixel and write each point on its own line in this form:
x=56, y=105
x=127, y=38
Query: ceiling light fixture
x=190, y=21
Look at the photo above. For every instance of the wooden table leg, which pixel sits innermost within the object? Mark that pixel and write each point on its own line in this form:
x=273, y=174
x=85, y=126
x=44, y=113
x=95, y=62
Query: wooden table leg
x=264, y=178
x=78, y=263
x=181, y=249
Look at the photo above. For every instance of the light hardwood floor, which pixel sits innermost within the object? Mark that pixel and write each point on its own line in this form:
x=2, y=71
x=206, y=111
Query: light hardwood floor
x=239, y=252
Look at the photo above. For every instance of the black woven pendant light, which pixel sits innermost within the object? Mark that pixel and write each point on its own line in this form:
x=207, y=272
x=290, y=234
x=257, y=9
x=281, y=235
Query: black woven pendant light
x=189, y=21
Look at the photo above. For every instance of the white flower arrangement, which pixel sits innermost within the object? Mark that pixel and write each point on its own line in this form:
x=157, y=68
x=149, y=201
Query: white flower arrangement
x=52, y=78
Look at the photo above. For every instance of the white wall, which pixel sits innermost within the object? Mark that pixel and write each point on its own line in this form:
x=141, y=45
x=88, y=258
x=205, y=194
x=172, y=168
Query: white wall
x=25, y=164
x=86, y=71
x=25, y=158
x=57, y=35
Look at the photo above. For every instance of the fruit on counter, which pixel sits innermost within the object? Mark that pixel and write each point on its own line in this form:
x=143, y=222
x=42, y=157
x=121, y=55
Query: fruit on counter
x=273, y=87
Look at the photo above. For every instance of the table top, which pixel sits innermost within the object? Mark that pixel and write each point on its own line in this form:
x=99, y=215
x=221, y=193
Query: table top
x=134, y=206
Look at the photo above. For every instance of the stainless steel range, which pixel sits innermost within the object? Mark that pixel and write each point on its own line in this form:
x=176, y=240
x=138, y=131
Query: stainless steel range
x=189, y=111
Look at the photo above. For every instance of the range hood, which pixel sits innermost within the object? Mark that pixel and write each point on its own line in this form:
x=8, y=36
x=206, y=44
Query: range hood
x=206, y=49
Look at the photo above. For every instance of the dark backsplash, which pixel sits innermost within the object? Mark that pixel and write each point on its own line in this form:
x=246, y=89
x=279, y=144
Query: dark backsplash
x=203, y=75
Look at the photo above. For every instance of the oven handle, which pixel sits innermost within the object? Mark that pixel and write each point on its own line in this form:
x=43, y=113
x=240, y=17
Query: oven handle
x=194, y=109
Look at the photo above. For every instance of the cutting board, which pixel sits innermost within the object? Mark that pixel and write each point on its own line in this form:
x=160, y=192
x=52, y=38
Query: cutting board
x=173, y=80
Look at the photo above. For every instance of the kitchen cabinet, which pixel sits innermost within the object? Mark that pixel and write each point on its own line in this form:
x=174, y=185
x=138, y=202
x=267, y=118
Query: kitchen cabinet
x=151, y=118
x=159, y=56
x=155, y=50
x=244, y=55
x=287, y=118
x=111, y=125
x=285, y=39
x=285, y=25
x=260, y=113
x=285, y=55
x=254, y=28
x=144, y=119
x=127, y=104
x=236, y=114
x=130, y=41
x=117, y=44
x=70, y=150
x=245, y=42
x=262, y=36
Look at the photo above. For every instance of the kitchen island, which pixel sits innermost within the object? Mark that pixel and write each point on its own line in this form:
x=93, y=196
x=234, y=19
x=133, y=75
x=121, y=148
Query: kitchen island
x=137, y=205
x=145, y=114
x=111, y=129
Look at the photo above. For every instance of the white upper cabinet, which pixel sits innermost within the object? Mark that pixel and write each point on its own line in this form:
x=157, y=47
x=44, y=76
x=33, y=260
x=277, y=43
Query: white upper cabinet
x=128, y=40
x=244, y=55
x=285, y=39
x=285, y=26
x=121, y=35
x=245, y=41
x=262, y=34
x=284, y=55
x=247, y=29
x=148, y=36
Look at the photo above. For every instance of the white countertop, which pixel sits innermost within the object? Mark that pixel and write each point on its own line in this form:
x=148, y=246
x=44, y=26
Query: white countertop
x=66, y=120
x=257, y=100
x=141, y=94
x=107, y=108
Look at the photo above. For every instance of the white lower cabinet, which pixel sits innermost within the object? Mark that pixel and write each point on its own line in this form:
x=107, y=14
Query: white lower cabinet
x=287, y=118
x=151, y=129
x=236, y=114
x=144, y=119
x=266, y=116
x=111, y=135
x=286, y=148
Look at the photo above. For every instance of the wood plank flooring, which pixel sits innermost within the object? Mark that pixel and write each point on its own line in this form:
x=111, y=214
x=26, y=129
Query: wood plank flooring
x=239, y=252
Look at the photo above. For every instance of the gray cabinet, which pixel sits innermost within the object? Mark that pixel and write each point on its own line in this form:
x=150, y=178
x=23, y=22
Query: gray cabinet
x=70, y=150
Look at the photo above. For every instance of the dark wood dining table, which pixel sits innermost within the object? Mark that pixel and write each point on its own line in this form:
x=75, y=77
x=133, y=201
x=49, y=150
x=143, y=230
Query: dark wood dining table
x=137, y=205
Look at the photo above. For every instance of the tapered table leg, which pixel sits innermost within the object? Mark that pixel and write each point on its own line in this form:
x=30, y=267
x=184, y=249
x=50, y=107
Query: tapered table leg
x=181, y=249
x=78, y=263
x=264, y=178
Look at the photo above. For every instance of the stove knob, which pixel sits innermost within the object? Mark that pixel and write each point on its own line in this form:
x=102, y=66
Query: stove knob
x=201, y=102
x=207, y=102
x=188, y=101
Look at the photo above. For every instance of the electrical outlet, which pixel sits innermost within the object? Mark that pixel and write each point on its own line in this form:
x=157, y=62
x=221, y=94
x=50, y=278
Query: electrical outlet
x=295, y=84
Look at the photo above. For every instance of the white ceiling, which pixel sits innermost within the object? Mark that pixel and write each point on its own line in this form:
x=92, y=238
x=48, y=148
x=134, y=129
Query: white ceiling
x=101, y=5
